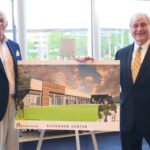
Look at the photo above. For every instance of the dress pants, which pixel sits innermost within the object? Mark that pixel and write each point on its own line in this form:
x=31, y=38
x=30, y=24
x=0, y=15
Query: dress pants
x=133, y=140
x=8, y=134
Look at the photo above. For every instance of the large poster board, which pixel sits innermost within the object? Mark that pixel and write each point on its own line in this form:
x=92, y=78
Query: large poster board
x=67, y=95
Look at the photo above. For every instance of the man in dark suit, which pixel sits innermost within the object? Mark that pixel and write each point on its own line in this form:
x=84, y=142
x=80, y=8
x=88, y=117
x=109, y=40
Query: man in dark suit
x=135, y=90
x=9, y=54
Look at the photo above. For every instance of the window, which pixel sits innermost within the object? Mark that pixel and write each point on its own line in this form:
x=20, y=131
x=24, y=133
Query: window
x=58, y=21
x=50, y=22
x=114, y=23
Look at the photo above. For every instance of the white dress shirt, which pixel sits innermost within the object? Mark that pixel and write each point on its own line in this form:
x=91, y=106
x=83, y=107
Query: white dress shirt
x=143, y=50
x=8, y=64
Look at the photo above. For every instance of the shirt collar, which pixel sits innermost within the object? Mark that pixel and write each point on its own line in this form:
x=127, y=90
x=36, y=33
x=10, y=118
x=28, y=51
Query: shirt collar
x=4, y=40
x=144, y=46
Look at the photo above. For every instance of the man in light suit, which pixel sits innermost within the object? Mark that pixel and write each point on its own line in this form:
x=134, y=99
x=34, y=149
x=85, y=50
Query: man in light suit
x=9, y=54
x=135, y=94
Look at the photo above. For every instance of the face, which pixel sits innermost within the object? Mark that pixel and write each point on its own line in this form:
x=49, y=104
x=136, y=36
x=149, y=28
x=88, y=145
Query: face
x=140, y=29
x=3, y=24
x=106, y=102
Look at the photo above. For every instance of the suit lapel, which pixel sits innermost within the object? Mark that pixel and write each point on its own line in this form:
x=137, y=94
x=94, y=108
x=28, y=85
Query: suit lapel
x=129, y=58
x=12, y=51
x=1, y=67
x=144, y=65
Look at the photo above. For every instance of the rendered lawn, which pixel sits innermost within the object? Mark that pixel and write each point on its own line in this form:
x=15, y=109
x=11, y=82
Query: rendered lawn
x=82, y=112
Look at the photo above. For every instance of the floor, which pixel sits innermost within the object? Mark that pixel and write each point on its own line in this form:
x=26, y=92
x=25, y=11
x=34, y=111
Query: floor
x=106, y=141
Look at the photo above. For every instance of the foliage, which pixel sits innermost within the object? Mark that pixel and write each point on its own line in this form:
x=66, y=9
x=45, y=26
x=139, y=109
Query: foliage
x=111, y=41
x=54, y=40
x=30, y=45
x=81, y=45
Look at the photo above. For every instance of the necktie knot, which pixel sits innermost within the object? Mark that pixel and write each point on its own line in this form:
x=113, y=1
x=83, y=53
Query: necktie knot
x=139, y=49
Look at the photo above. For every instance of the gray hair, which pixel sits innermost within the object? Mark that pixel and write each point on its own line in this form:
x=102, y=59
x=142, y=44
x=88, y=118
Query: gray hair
x=139, y=15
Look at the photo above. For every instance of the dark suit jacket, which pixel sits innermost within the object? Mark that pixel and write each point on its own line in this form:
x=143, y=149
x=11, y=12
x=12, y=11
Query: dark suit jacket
x=135, y=98
x=4, y=85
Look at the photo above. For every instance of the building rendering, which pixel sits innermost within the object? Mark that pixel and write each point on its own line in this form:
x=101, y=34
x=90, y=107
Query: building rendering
x=44, y=93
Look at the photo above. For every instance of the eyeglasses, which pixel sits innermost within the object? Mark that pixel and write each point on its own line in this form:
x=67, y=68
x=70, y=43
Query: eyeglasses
x=2, y=20
x=141, y=25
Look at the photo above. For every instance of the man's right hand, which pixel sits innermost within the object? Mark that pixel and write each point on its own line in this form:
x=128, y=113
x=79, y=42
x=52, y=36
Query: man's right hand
x=84, y=59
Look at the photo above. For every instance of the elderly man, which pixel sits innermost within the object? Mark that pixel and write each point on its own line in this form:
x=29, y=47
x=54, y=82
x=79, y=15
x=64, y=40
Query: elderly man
x=9, y=54
x=135, y=85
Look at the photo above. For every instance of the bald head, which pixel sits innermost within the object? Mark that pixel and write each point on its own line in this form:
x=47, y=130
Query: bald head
x=3, y=25
x=3, y=15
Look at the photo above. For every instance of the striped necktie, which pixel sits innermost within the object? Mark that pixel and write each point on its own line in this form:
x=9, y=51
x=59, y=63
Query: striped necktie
x=135, y=67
